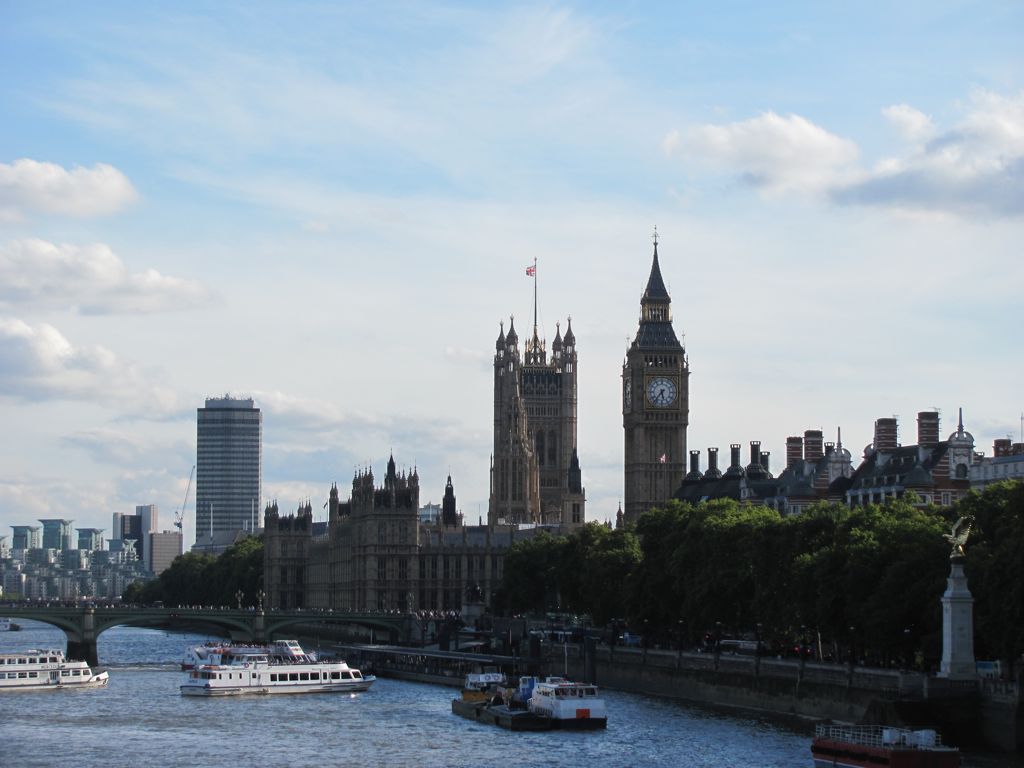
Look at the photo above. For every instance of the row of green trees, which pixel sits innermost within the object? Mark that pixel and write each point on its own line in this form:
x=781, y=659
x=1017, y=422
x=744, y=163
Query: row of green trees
x=864, y=580
x=199, y=579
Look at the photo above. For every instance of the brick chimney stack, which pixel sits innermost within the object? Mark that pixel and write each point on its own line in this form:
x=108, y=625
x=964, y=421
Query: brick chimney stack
x=927, y=429
x=885, y=434
x=794, y=451
x=813, y=445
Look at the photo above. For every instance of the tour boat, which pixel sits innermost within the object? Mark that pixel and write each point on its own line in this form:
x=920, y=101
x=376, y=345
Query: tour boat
x=218, y=653
x=568, y=704
x=535, y=705
x=6, y=625
x=876, y=746
x=246, y=670
x=46, y=670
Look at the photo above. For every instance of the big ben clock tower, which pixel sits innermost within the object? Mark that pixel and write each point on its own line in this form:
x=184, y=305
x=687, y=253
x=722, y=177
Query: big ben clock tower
x=655, y=402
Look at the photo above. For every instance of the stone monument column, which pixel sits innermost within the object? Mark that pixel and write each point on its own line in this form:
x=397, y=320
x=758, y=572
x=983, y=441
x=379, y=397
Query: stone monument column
x=958, y=613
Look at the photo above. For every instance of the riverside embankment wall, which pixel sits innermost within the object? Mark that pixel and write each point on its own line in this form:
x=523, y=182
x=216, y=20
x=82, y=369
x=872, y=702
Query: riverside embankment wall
x=980, y=713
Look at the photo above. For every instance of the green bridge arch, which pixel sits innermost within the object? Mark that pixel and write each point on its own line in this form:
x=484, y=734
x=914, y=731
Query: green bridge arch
x=82, y=625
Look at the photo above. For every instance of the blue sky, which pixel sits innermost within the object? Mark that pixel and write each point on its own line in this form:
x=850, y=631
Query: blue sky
x=330, y=207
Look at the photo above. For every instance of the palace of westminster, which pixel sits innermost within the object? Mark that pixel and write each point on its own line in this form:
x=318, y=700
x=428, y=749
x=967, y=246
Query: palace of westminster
x=376, y=553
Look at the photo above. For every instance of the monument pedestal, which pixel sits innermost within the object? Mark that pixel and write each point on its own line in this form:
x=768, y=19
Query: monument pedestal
x=957, y=626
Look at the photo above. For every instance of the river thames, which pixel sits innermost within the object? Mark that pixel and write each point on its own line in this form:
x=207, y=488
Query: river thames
x=142, y=718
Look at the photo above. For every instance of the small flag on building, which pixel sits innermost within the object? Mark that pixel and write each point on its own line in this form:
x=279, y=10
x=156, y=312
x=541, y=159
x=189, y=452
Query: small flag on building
x=531, y=270
x=664, y=458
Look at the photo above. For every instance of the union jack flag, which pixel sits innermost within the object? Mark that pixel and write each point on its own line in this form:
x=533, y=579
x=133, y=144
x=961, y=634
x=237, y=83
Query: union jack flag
x=531, y=270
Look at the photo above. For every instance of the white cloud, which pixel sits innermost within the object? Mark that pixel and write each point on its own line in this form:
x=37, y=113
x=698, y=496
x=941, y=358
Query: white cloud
x=773, y=153
x=912, y=124
x=975, y=167
x=37, y=362
x=29, y=185
x=90, y=278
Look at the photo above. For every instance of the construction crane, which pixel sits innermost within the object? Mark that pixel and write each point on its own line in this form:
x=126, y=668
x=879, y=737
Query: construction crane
x=181, y=512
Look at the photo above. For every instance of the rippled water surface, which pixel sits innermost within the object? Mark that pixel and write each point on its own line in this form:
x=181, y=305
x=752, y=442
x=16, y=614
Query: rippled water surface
x=141, y=718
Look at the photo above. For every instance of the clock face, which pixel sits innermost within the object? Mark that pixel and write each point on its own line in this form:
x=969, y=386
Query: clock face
x=661, y=392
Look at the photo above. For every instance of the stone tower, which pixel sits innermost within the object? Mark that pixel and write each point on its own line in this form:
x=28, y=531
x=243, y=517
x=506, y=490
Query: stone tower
x=655, y=402
x=535, y=474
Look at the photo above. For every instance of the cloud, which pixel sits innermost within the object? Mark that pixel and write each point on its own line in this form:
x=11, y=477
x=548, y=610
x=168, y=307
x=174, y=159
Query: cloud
x=37, y=363
x=975, y=167
x=774, y=154
x=91, y=278
x=28, y=185
x=914, y=125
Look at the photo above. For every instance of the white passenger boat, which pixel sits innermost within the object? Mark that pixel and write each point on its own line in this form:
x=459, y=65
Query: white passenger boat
x=246, y=670
x=6, y=625
x=568, y=704
x=221, y=653
x=46, y=670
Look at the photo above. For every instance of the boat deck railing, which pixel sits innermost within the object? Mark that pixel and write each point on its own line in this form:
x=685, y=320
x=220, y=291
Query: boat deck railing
x=881, y=737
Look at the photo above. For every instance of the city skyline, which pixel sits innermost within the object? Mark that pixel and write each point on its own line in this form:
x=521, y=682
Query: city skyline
x=331, y=210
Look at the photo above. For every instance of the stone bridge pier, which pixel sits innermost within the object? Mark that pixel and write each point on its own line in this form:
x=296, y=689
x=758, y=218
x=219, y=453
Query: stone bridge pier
x=82, y=642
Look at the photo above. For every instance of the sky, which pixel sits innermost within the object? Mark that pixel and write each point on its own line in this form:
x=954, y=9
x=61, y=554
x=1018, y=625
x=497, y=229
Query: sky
x=330, y=207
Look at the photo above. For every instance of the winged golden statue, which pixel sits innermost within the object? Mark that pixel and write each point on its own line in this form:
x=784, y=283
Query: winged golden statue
x=958, y=536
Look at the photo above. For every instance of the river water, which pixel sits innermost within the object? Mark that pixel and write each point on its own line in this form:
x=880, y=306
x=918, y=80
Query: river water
x=141, y=719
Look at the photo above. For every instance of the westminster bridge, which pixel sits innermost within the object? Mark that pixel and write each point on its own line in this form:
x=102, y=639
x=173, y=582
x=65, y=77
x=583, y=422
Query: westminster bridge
x=82, y=624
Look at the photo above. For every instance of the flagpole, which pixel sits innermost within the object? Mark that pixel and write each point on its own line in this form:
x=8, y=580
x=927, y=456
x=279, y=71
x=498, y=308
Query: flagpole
x=534, y=295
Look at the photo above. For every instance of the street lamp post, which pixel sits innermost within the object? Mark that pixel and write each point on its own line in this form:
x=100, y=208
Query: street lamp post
x=238, y=596
x=260, y=597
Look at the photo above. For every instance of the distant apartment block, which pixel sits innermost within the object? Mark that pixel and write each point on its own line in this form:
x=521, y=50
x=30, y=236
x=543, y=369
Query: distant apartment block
x=57, y=534
x=148, y=524
x=229, y=470
x=90, y=539
x=164, y=546
x=26, y=537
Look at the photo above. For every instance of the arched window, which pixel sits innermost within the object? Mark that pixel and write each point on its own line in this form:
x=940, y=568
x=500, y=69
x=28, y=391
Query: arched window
x=540, y=447
x=553, y=448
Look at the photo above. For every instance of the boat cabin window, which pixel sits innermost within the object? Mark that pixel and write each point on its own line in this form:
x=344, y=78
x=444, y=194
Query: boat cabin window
x=33, y=674
x=65, y=673
x=53, y=659
x=22, y=675
x=293, y=676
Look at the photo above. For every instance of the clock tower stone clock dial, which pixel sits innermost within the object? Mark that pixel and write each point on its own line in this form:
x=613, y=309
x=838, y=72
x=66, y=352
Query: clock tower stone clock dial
x=655, y=421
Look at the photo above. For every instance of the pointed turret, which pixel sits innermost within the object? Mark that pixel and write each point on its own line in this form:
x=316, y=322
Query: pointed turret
x=575, y=476
x=570, y=337
x=512, y=339
x=499, y=345
x=656, y=312
x=655, y=290
x=556, y=345
x=449, y=518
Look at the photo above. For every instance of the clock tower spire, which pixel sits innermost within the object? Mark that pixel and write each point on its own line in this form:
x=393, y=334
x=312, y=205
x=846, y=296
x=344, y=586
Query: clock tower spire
x=655, y=402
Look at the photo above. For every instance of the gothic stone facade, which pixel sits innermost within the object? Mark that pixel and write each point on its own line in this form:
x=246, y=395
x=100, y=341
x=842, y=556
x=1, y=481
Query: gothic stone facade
x=535, y=469
x=375, y=554
x=655, y=403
